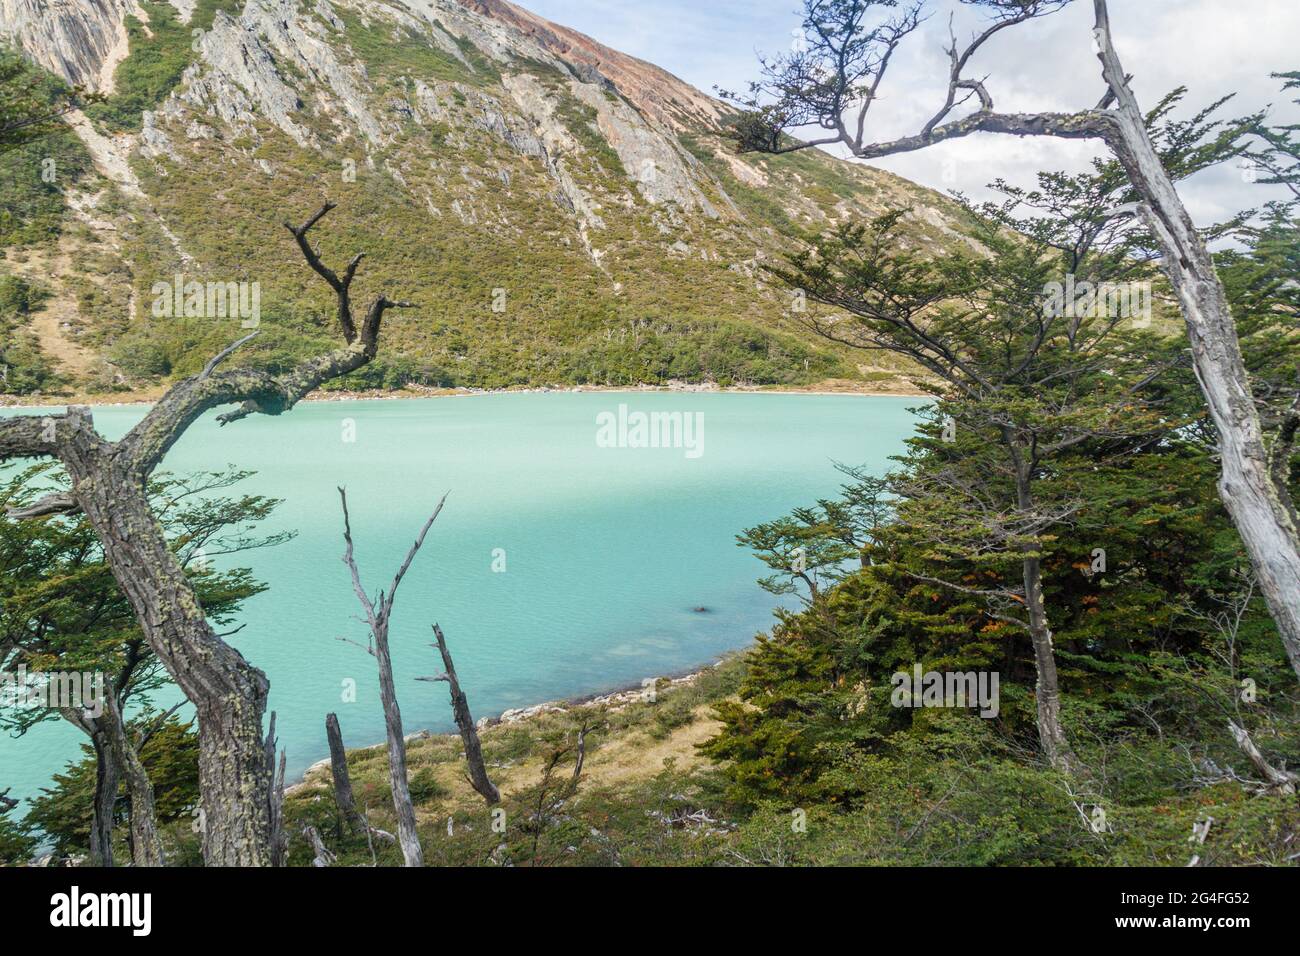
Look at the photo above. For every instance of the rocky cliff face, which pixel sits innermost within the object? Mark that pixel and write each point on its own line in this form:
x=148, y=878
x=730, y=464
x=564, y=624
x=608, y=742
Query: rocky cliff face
x=281, y=57
x=73, y=39
x=655, y=92
x=508, y=150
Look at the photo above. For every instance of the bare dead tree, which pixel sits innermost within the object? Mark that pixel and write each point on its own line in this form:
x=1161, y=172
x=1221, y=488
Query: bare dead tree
x=1227, y=622
x=1277, y=779
x=379, y=612
x=343, y=796
x=834, y=83
x=323, y=856
x=108, y=483
x=339, y=771
x=478, y=775
x=371, y=833
x=1200, y=830
x=279, y=836
x=275, y=799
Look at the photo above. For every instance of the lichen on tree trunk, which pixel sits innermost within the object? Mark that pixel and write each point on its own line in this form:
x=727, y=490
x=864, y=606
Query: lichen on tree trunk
x=1247, y=487
x=108, y=482
x=146, y=845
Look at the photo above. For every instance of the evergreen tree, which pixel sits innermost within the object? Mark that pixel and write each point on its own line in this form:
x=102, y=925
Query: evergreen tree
x=61, y=610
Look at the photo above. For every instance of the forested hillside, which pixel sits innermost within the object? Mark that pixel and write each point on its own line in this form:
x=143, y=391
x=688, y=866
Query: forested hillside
x=555, y=225
x=1062, y=627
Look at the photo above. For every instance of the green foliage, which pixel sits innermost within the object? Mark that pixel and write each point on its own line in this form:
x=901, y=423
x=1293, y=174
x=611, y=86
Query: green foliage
x=1148, y=675
x=18, y=298
x=30, y=100
x=39, y=156
x=674, y=319
x=23, y=367
x=60, y=606
x=426, y=787
x=1265, y=301
x=158, y=55
x=960, y=804
x=1152, y=644
x=61, y=609
x=171, y=755
x=394, y=52
x=17, y=846
x=1279, y=152
x=813, y=545
x=140, y=356
x=62, y=813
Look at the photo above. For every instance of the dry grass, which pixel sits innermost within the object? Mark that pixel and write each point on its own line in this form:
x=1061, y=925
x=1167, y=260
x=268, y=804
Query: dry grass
x=632, y=748
x=59, y=312
x=621, y=758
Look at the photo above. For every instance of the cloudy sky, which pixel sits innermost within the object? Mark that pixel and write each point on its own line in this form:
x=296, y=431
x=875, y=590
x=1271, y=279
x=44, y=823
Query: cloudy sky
x=1212, y=47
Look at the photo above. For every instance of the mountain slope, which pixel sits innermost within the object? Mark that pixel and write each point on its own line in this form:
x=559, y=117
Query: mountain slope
x=562, y=213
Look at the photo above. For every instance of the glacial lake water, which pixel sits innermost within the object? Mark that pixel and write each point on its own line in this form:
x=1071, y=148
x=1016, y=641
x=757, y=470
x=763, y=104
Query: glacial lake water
x=607, y=550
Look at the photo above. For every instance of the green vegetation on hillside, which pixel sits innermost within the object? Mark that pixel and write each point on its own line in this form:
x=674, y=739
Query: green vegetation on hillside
x=23, y=367
x=447, y=214
x=159, y=52
x=391, y=51
x=43, y=161
x=563, y=322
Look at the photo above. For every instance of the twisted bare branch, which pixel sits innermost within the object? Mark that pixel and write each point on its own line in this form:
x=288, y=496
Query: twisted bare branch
x=260, y=392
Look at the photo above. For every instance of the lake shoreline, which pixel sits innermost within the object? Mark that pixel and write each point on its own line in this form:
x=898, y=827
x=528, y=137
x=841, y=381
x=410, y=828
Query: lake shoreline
x=621, y=696
x=320, y=395
x=570, y=508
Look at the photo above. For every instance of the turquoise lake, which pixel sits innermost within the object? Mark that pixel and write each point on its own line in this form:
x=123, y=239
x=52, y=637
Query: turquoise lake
x=607, y=550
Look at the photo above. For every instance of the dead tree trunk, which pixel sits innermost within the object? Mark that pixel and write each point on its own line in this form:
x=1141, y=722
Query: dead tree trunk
x=108, y=484
x=378, y=615
x=146, y=844
x=280, y=837
x=275, y=800
x=1247, y=485
x=581, y=757
x=339, y=770
x=108, y=780
x=228, y=692
x=1276, y=780
x=807, y=95
x=478, y=775
x=407, y=834
x=116, y=759
x=323, y=855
